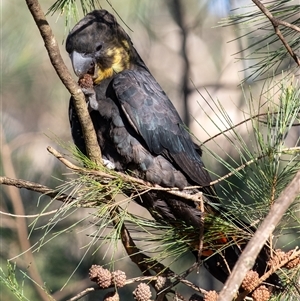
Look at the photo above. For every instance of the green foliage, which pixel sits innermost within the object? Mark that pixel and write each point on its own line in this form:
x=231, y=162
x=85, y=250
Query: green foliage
x=69, y=9
x=11, y=282
x=16, y=281
x=264, y=51
x=248, y=193
x=265, y=167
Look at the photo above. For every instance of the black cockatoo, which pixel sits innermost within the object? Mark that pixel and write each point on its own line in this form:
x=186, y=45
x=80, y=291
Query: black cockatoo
x=140, y=131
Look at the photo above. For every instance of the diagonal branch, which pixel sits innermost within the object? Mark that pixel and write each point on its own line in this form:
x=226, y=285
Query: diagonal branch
x=247, y=259
x=62, y=71
x=275, y=22
x=89, y=134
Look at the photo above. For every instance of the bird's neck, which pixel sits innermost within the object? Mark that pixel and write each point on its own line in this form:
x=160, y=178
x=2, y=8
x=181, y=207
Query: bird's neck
x=121, y=59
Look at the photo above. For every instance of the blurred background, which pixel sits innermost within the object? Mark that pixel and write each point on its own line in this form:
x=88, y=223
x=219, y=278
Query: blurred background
x=191, y=58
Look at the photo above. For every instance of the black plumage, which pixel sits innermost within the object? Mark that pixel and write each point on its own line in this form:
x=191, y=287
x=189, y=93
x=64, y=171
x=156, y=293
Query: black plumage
x=140, y=131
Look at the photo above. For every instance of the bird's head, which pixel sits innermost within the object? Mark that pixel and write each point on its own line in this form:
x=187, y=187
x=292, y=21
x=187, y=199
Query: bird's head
x=99, y=46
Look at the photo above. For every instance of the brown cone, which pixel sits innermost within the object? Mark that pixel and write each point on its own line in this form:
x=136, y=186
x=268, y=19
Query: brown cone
x=249, y=281
x=261, y=294
x=211, y=296
x=118, y=278
x=142, y=292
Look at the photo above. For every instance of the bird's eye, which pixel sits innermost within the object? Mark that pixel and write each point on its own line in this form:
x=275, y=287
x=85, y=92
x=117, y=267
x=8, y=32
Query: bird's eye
x=99, y=47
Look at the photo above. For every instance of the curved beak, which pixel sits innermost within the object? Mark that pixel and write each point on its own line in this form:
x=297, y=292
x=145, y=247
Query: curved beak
x=82, y=64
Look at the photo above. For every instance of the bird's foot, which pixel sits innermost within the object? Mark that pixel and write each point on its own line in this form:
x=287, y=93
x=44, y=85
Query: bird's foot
x=108, y=164
x=90, y=95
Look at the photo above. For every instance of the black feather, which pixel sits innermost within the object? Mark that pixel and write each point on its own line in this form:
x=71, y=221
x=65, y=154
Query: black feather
x=140, y=131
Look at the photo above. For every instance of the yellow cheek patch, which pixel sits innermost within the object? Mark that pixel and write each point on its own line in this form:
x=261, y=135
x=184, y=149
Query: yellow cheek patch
x=103, y=74
x=110, y=52
x=120, y=61
x=126, y=44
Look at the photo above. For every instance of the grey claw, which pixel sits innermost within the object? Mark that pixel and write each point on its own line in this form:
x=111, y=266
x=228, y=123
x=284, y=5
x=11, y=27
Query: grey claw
x=91, y=98
x=108, y=164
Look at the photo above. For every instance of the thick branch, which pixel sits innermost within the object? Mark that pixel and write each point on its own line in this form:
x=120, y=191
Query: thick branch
x=247, y=259
x=51, y=45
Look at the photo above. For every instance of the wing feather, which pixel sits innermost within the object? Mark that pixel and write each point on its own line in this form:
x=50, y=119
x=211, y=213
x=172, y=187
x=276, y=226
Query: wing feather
x=156, y=120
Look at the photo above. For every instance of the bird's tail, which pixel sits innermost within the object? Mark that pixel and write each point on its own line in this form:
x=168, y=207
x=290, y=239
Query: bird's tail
x=224, y=238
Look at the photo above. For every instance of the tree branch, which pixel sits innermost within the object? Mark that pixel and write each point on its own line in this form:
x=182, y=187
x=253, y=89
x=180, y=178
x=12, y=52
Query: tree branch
x=92, y=147
x=34, y=187
x=20, y=222
x=89, y=134
x=273, y=269
x=275, y=22
x=241, y=123
x=247, y=259
x=178, y=15
x=143, y=261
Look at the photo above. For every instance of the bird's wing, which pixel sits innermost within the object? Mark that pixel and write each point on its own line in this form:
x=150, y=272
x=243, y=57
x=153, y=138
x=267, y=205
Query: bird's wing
x=155, y=119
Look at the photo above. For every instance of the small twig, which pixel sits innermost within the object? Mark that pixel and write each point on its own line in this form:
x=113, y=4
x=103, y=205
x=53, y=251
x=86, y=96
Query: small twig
x=34, y=187
x=240, y=123
x=29, y=215
x=84, y=293
x=226, y=263
x=181, y=278
x=248, y=163
x=289, y=25
x=19, y=183
x=232, y=127
x=268, y=274
x=112, y=175
x=275, y=22
x=270, y=16
x=281, y=264
x=140, y=259
x=147, y=185
x=247, y=258
x=94, y=288
x=193, y=286
x=201, y=232
x=134, y=253
x=62, y=159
